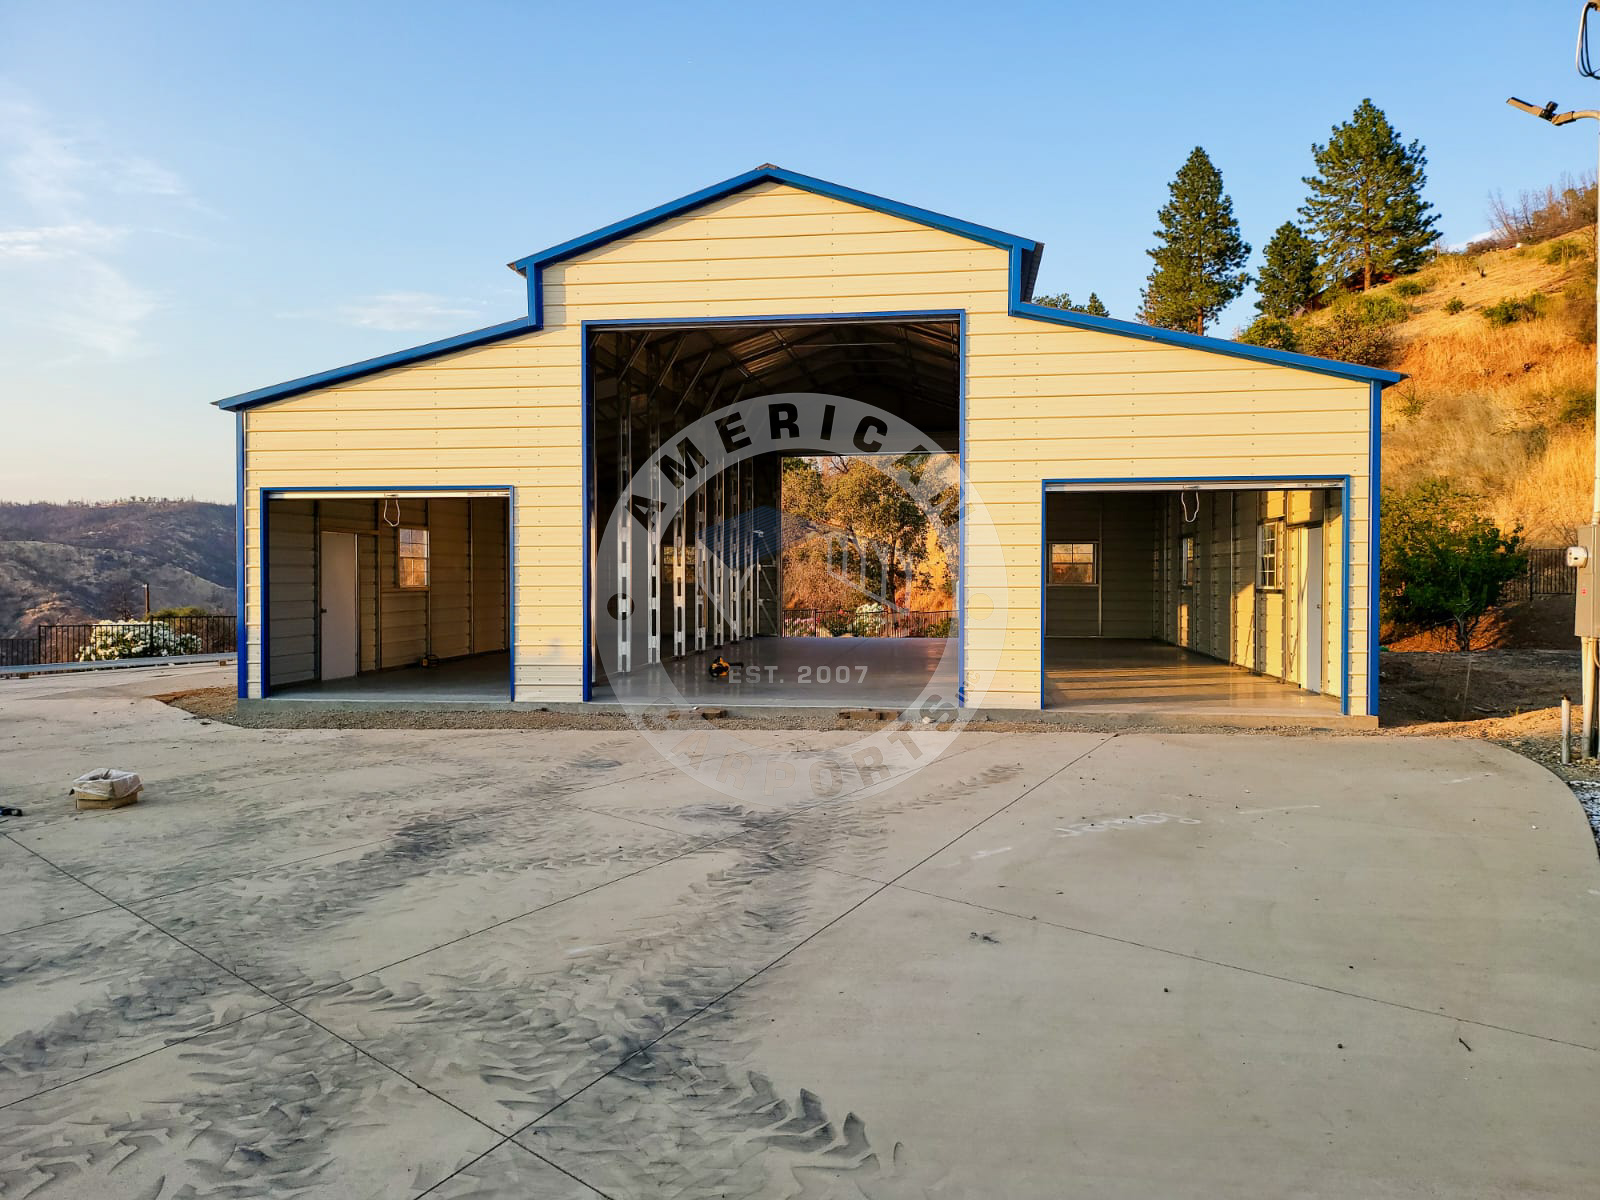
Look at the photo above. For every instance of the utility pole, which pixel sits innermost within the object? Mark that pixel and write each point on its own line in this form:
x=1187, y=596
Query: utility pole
x=1586, y=554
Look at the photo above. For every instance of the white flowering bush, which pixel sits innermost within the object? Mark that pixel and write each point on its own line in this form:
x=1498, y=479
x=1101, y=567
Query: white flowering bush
x=136, y=639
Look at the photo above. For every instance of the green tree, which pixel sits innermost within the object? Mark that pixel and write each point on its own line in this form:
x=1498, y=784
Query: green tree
x=1366, y=209
x=1094, y=307
x=1198, y=265
x=1442, y=561
x=1289, y=278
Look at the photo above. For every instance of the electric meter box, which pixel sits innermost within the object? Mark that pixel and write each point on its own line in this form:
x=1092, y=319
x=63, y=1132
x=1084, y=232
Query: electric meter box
x=1588, y=615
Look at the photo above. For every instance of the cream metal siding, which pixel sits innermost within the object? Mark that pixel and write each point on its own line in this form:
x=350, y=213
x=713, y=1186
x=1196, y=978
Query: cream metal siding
x=1043, y=401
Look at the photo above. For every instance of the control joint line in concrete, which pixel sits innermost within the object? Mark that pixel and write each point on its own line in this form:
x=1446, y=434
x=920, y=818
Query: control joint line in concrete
x=878, y=891
x=1213, y=962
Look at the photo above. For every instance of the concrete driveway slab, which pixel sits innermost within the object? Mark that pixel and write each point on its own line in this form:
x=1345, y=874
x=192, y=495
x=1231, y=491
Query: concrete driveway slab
x=464, y=864
x=508, y=1172
x=269, y=1107
x=33, y=892
x=1046, y=965
x=1452, y=877
x=896, y=1054
x=205, y=824
x=81, y=995
x=510, y=1022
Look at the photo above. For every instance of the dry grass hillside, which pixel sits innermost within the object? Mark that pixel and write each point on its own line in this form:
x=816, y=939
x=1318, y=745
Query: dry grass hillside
x=1498, y=346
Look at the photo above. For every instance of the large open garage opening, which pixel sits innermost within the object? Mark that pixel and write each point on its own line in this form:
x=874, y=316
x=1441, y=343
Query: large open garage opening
x=816, y=576
x=1206, y=598
x=392, y=598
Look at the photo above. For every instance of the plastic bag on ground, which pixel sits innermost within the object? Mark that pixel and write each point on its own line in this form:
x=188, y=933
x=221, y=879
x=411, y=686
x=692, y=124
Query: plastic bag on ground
x=106, y=784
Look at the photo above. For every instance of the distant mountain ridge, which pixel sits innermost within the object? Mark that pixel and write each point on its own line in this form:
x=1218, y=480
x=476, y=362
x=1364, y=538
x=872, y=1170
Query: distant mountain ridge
x=81, y=562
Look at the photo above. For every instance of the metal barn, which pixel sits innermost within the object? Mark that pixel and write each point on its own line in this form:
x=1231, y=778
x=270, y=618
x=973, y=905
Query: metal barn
x=566, y=508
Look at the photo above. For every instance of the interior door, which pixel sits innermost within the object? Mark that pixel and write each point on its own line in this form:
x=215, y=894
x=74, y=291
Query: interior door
x=339, y=605
x=1309, y=585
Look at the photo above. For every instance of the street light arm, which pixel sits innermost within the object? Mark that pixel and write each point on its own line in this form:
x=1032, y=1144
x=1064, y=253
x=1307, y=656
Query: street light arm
x=1548, y=112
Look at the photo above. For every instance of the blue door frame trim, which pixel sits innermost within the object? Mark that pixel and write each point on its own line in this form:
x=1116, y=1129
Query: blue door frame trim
x=241, y=624
x=270, y=493
x=942, y=314
x=1166, y=482
x=1024, y=258
x=1375, y=497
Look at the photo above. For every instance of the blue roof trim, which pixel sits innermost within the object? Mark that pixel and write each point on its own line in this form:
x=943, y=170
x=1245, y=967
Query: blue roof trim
x=739, y=183
x=1025, y=255
x=370, y=366
x=1195, y=341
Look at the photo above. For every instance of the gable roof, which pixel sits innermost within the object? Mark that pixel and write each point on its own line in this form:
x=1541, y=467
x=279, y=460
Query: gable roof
x=1032, y=251
x=1025, y=255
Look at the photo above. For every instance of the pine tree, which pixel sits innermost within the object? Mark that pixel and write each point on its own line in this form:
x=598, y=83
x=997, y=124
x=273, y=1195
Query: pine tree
x=1198, y=265
x=1064, y=300
x=1289, y=278
x=1366, y=209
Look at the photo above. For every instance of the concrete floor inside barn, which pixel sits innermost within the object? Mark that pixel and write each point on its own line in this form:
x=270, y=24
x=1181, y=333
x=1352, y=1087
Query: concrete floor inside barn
x=546, y=965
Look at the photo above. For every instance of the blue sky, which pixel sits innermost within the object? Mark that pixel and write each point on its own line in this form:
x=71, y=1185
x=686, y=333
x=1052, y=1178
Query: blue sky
x=197, y=200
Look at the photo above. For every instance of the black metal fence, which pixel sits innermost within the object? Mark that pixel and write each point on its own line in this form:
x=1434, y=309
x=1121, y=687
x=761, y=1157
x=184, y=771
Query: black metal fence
x=853, y=622
x=103, y=641
x=1547, y=575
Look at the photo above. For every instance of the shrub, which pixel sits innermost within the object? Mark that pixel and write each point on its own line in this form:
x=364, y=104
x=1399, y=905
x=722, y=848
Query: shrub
x=1348, y=338
x=111, y=640
x=1378, y=309
x=1564, y=251
x=1410, y=287
x=1454, y=305
x=941, y=628
x=1413, y=402
x=838, y=623
x=1577, y=306
x=1443, y=561
x=1515, y=308
x=1275, y=333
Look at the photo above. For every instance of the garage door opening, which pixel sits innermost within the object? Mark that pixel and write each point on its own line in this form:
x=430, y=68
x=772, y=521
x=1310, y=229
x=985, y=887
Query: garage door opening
x=1227, y=600
x=389, y=598
x=715, y=578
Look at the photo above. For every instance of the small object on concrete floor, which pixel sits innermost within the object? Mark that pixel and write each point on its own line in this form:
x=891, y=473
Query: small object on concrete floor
x=867, y=714
x=7, y=811
x=696, y=714
x=985, y=937
x=106, y=788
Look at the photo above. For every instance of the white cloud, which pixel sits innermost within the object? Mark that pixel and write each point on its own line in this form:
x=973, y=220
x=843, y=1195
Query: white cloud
x=57, y=241
x=71, y=209
x=404, y=312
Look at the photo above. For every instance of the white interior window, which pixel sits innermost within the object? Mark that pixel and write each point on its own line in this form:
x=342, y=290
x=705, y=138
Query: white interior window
x=411, y=561
x=1269, y=554
x=1074, y=563
x=1186, y=560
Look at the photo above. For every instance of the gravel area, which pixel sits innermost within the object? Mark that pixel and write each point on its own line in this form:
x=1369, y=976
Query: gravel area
x=219, y=704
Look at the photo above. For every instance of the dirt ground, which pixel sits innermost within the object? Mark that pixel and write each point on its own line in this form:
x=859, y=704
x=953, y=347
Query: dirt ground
x=1540, y=623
